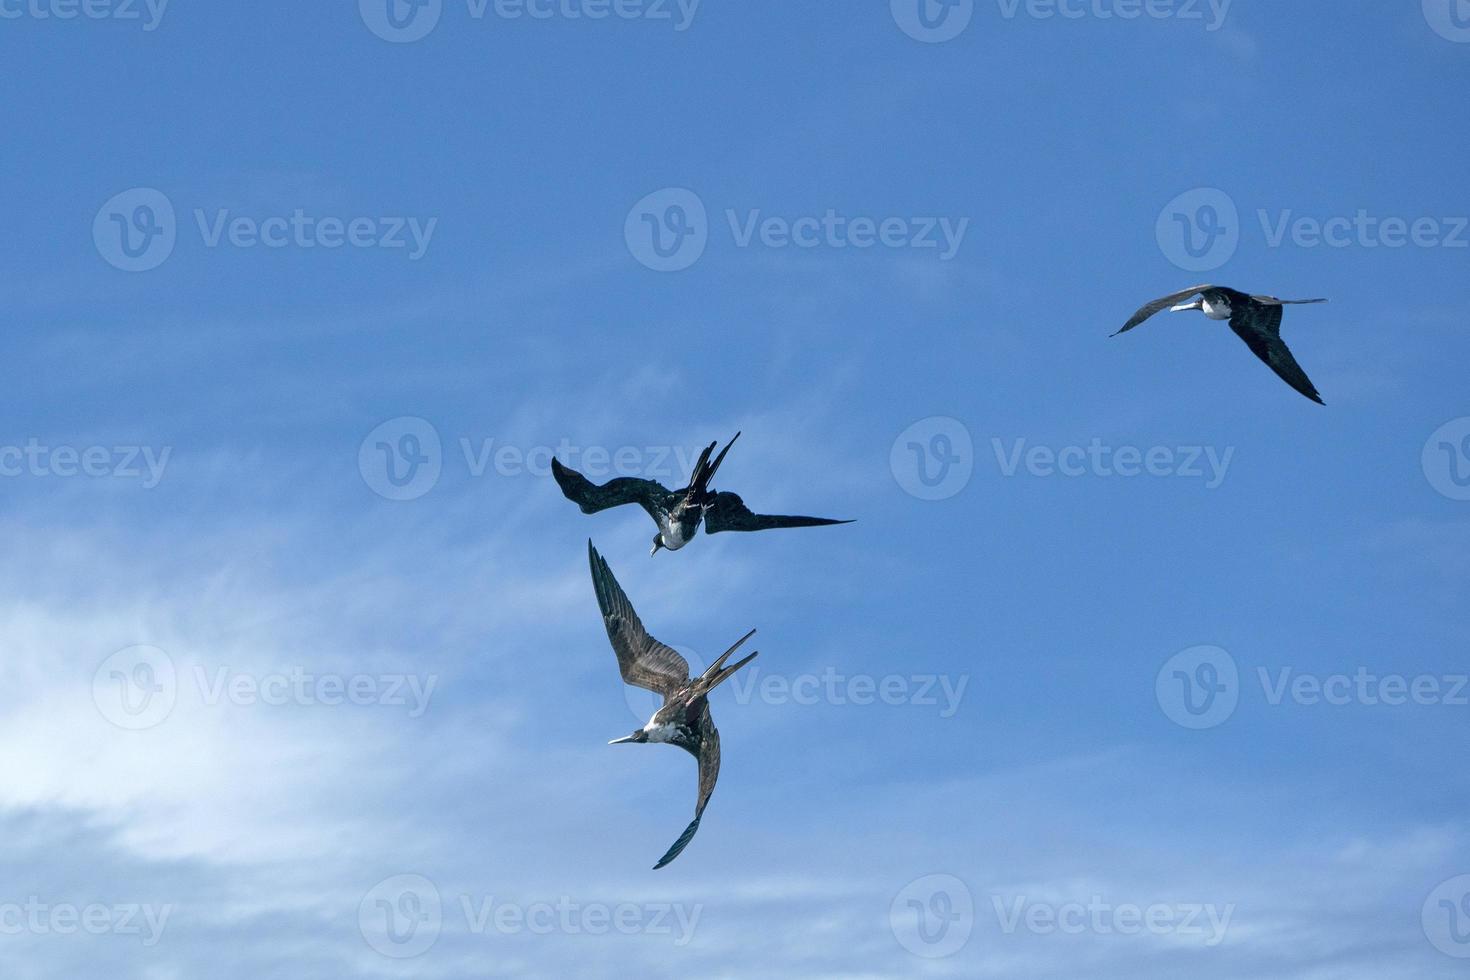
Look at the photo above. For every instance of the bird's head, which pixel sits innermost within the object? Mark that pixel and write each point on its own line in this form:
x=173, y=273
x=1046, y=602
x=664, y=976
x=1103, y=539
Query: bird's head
x=658, y=542
x=639, y=736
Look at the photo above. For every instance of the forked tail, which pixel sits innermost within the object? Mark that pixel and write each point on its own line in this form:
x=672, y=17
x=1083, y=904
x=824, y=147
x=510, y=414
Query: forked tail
x=718, y=673
x=705, y=471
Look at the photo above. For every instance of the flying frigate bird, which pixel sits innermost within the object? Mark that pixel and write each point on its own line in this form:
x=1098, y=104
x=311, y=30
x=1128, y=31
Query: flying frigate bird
x=684, y=720
x=678, y=513
x=1255, y=320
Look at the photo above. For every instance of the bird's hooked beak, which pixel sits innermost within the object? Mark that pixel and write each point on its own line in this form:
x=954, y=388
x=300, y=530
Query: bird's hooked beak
x=638, y=736
x=658, y=542
x=1198, y=304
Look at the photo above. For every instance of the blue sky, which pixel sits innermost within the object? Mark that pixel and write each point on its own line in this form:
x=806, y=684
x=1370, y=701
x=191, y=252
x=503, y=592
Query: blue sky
x=1127, y=631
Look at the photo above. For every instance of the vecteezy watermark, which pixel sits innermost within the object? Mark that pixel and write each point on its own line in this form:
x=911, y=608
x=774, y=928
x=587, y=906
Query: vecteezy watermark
x=137, y=231
x=146, y=464
x=402, y=917
x=406, y=21
x=933, y=916
x=830, y=686
x=1097, y=459
x=933, y=459
x=1201, y=688
x=1201, y=230
x=404, y=458
x=138, y=688
x=298, y=686
x=933, y=21
x=834, y=687
x=668, y=231
x=1449, y=18
x=37, y=918
x=1198, y=688
x=1212, y=13
x=937, y=21
x=1363, y=230
x=1446, y=918
x=1446, y=459
x=1363, y=687
x=1208, y=923
x=149, y=13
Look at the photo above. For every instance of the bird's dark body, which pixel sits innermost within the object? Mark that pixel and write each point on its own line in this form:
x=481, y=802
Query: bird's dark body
x=679, y=514
x=1256, y=320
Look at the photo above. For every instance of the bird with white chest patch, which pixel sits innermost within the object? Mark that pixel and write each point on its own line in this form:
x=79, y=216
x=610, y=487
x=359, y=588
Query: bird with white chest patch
x=1255, y=320
x=679, y=514
x=684, y=719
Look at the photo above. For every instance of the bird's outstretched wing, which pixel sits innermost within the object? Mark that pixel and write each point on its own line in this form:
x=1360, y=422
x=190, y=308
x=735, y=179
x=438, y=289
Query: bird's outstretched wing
x=1259, y=325
x=729, y=513
x=709, y=771
x=1273, y=301
x=652, y=497
x=1163, y=303
x=643, y=661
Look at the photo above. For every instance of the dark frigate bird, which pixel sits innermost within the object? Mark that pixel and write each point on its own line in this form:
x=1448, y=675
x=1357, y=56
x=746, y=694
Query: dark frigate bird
x=684, y=720
x=678, y=513
x=1255, y=320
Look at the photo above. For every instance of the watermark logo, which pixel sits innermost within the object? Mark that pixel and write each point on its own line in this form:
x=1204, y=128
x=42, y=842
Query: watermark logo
x=142, y=463
x=933, y=21
x=1449, y=18
x=1363, y=229
x=486, y=915
x=1446, y=918
x=1199, y=688
x=1100, y=917
x=136, y=688
x=401, y=21
x=1364, y=688
x=933, y=916
x=1097, y=459
x=1199, y=231
x=38, y=918
x=668, y=230
x=1446, y=459
x=401, y=459
x=297, y=686
x=148, y=12
x=401, y=917
x=406, y=21
x=1202, y=687
x=136, y=231
x=933, y=459
x=1181, y=10
x=943, y=692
